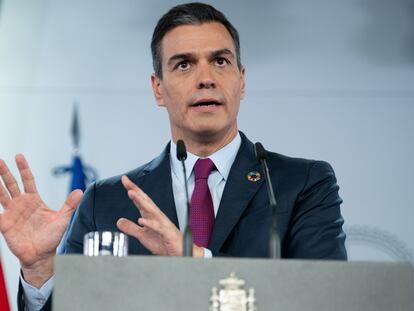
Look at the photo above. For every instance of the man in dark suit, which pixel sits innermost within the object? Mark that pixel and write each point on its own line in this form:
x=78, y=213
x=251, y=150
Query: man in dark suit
x=200, y=80
x=308, y=214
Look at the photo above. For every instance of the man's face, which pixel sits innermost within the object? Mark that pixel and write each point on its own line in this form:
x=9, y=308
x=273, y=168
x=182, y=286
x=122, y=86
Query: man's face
x=202, y=85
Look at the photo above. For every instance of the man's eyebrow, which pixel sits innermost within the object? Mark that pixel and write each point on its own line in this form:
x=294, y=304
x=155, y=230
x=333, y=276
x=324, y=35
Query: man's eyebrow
x=180, y=57
x=190, y=56
x=222, y=52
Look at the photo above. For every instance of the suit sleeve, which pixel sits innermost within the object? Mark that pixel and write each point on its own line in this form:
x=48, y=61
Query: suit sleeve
x=315, y=228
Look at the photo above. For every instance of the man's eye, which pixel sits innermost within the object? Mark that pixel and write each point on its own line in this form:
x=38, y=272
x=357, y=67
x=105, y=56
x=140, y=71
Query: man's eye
x=220, y=61
x=183, y=65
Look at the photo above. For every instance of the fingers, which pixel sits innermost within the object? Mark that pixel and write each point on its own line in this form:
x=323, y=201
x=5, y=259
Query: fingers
x=130, y=186
x=11, y=183
x=137, y=230
x=26, y=174
x=141, y=200
x=152, y=217
x=9, y=180
x=129, y=228
x=148, y=238
x=4, y=196
x=153, y=224
x=154, y=229
x=146, y=208
x=71, y=203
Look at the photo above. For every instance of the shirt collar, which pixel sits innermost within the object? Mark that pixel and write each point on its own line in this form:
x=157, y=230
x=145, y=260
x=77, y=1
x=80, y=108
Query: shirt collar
x=223, y=159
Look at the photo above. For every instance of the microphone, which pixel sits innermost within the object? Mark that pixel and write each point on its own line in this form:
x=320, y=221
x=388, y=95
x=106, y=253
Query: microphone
x=261, y=155
x=188, y=236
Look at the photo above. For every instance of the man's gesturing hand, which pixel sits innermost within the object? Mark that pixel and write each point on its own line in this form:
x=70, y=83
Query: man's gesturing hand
x=31, y=230
x=154, y=230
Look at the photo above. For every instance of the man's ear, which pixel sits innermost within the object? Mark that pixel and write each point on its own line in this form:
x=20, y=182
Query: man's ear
x=157, y=90
x=242, y=82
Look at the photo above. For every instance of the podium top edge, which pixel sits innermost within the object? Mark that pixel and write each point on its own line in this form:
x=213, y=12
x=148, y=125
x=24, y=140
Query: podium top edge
x=239, y=259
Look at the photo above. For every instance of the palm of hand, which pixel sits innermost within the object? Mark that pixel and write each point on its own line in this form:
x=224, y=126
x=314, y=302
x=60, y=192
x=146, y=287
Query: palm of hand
x=32, y=231
x=30, y=228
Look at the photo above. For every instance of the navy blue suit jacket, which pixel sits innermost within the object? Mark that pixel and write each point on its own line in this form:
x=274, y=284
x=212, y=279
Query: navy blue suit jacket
x=308, y=213
x=308, y=210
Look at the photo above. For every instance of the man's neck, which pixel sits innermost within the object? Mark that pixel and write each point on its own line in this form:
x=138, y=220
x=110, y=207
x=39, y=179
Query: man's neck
x=205, y=146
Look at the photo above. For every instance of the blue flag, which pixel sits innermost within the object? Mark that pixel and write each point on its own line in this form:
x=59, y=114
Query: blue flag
x=80, y=177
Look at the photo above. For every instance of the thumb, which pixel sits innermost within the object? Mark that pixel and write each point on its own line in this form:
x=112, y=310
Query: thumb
x=71, y=203
x=130, y=228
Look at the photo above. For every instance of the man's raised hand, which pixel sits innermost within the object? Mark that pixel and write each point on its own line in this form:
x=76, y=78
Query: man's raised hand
x=154, y=229
x=31, y=230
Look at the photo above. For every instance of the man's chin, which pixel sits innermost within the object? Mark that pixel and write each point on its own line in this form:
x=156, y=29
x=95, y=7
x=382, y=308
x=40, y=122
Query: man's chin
x=209, y=133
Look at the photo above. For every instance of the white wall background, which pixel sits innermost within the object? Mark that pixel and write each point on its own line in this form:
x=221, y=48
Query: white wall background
x=327, y=79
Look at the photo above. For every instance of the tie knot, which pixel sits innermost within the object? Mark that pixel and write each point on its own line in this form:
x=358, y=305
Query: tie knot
x=203, y=168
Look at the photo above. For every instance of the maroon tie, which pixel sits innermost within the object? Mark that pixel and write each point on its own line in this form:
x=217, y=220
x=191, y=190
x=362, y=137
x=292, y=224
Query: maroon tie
x=202, y=210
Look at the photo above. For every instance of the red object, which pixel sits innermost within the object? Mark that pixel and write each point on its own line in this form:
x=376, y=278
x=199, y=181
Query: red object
x=4, y=301
x=202, y=209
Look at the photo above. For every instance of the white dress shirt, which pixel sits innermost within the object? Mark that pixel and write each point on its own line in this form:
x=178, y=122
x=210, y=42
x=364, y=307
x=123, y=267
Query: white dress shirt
x=223, y=160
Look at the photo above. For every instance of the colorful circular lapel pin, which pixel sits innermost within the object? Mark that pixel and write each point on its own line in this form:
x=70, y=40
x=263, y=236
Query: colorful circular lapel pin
x=254, y=176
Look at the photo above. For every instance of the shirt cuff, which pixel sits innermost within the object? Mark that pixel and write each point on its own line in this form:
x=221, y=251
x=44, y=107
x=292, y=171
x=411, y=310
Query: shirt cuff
x=208, y=253
x=35, y=298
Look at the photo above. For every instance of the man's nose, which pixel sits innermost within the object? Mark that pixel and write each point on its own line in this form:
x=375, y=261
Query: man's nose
x=205, y=77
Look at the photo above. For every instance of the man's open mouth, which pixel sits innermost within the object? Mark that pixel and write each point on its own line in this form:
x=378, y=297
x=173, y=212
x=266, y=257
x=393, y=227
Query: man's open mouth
x=206, y=104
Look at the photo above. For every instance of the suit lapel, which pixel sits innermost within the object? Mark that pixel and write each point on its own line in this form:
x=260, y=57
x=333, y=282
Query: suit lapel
x=238, y=192
x=156, y=182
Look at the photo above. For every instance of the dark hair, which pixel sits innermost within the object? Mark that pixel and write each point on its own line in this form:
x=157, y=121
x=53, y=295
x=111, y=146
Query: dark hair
x=188, y=14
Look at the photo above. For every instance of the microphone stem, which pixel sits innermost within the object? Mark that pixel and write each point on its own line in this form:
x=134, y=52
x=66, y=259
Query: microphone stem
x=272, y=198
x=274, y=246
x=188, y=236
x=186, y=187
x=274, y=237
